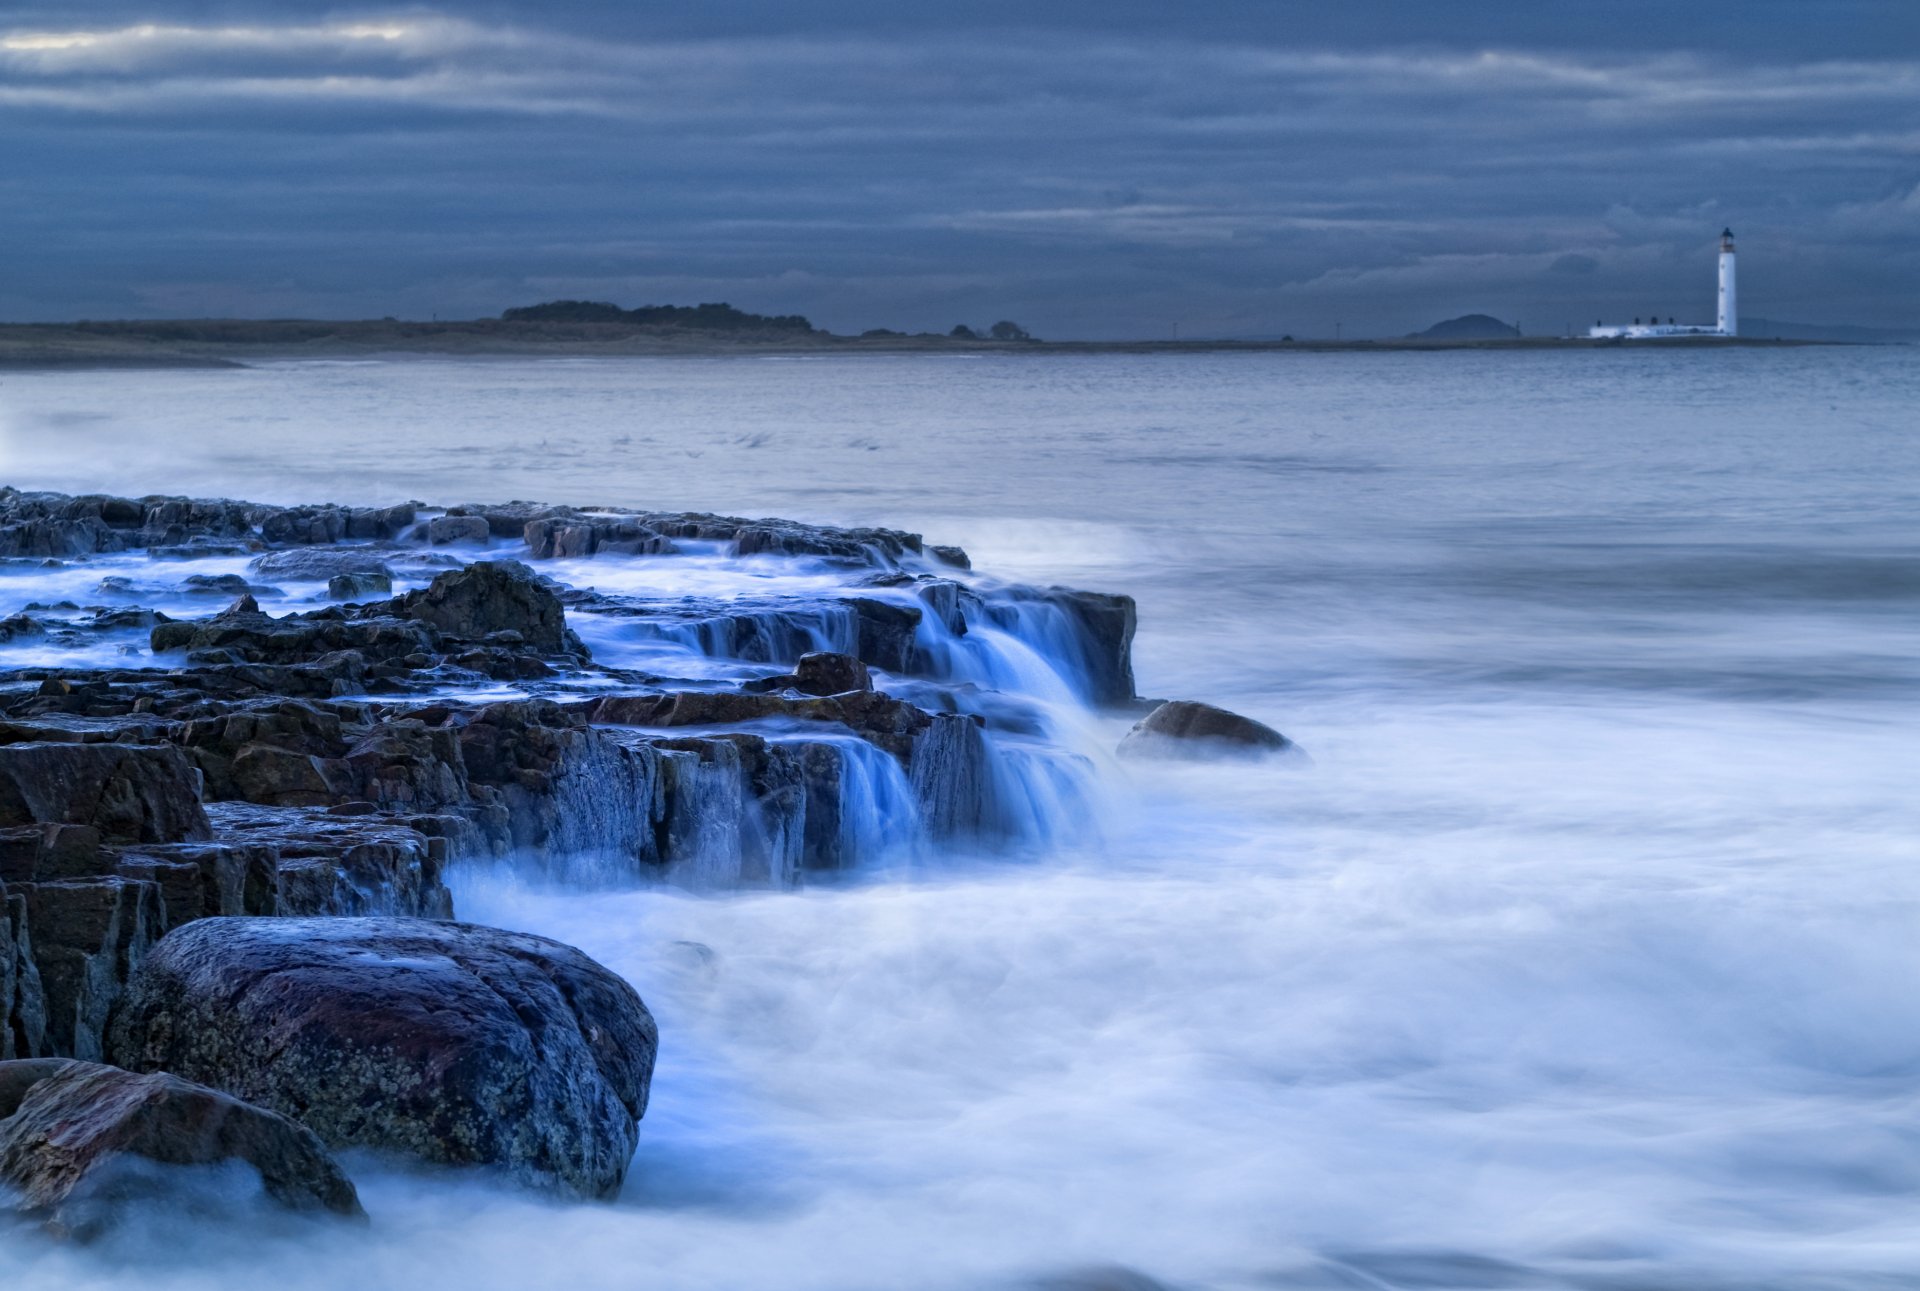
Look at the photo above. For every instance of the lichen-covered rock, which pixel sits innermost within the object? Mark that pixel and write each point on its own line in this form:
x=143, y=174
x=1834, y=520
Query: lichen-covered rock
x=80, y=1142
x=1186, y=729
x=448, y=1042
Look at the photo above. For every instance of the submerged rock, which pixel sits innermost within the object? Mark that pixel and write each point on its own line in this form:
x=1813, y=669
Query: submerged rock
x=80, y=1142
x=451, y=1043
x=1184, y=728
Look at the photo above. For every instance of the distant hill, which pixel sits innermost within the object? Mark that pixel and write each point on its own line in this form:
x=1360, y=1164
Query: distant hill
x=1773, y=327
x=718, y=317
x=1469, y=327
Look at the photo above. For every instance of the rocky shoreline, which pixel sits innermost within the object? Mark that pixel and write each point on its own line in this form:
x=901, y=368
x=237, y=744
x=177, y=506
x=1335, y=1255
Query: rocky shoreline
x=225, y=831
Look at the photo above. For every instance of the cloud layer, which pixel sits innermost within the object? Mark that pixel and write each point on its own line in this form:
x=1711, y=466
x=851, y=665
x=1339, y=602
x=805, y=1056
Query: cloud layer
x=1093, y=177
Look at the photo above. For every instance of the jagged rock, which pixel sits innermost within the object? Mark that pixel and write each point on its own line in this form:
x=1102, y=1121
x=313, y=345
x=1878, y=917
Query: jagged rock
x=878, y=718
x=242, y=633
x=442, y=530
x=364, y=585
x=129, y=793
x=41, y=853
x=488, y=597
x=510, y=519
x=305, y=525
x=317, y=565
x=448, y=1042
x=380, y=522
x=88, y=937
x=23, y=1002
x=825, y=673
x=1186, y=729
x=324, y=864
x=954, y=556
x=560, y=537
x=81, y=1141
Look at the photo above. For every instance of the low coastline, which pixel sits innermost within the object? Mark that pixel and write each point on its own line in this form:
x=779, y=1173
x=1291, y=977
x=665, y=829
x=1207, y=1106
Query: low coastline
x=238, y=343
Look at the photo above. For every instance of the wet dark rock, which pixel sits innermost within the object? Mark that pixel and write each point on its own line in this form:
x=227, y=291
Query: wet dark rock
x=880, y=719
x=88, y=937
x=825, y=673
x=278, y=777
x=561, y=537
x=954, y=556
x=19, y=627
x=129, y=793
x=319, y=564
x=380, y=523
x=442, y=530
x=80, y=1142
x=229, y=585
x=361, y=586
x=886, y=633
x=1107, y=622
x=23, y=1001
x=1186, y=729
x=312, y=862
x=451, y=1043
x=488, y=597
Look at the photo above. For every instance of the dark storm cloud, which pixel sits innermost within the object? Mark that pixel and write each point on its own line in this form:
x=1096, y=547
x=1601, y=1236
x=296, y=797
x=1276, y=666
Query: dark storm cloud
x=1110, y=171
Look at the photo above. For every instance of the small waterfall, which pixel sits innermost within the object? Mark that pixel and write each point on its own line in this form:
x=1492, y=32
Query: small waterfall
x=758, y=636
x=706, y=825
x=605, y=806
x=975, y=788
x=880, y=817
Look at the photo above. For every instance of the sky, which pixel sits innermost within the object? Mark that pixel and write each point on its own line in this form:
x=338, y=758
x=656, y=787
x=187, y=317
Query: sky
x=1109, y=169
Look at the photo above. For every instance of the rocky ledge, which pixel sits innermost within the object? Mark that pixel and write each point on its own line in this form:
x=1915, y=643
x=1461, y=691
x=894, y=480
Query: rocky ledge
x=225, y=724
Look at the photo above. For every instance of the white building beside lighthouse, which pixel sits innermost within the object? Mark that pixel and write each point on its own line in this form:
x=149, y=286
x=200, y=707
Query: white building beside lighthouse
x=1728, y=323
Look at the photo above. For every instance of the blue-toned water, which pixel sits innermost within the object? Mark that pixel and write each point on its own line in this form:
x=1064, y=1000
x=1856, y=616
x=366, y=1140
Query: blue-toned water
x=1583, y=953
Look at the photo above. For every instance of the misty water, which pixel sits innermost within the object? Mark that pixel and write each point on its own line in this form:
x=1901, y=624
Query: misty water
x=1582, y=952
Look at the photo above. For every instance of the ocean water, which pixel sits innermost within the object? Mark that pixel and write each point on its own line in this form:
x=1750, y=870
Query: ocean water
x=1582, y=953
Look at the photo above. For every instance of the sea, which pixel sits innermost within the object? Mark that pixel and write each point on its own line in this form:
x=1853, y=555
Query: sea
x=1581, y=949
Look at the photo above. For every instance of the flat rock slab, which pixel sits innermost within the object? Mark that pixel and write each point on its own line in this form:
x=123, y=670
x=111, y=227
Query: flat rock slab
x=447, y=1042
x=81, y=1141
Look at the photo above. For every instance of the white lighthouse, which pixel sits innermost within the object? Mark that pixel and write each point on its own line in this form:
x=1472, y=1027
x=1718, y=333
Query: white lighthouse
x=1653, y=329
x=1729, y=300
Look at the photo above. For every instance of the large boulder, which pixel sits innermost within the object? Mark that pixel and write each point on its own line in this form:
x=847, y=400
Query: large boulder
x=1183, y=728
x=487, y=597
x=448, y=1042
x=80, y=1142
x=129, y=793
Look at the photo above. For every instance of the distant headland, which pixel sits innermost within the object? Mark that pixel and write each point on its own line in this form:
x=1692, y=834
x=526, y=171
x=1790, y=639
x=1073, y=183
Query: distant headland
x=577, y=328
